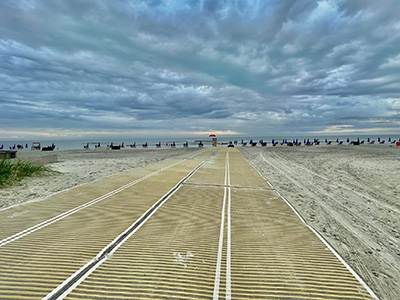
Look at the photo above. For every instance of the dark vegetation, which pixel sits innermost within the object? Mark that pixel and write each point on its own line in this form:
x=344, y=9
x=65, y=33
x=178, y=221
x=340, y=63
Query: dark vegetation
x=13, y=171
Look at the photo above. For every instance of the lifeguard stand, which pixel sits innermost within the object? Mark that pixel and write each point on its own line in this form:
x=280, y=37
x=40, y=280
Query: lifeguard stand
x=214, y=140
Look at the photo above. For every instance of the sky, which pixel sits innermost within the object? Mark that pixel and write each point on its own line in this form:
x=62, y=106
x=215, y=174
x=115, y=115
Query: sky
x=85, y=68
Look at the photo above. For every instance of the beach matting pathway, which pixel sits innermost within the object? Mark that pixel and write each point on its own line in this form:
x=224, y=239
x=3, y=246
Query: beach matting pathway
x=212, y=229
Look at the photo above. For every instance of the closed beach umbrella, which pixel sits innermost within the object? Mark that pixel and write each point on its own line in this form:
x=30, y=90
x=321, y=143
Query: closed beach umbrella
x=326, y=141
x=379, y=139
x=368, y=140
x=2, y=146
x=273, y=141
x=348, y=140
x=26, y=146
x=337, y=140
x=358, y=139
x=390, y=140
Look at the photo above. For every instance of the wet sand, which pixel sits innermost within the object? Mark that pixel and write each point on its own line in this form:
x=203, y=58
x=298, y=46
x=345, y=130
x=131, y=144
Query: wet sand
x=350, y=195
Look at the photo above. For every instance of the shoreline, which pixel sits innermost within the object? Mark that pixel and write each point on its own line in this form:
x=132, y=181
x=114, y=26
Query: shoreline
x=79, y=144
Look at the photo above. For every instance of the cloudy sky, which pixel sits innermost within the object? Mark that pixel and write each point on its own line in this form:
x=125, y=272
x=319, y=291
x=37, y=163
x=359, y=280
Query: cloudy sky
x=86, y=68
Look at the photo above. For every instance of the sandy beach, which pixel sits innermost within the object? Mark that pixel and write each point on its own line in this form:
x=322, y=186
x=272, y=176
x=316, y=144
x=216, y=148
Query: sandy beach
x=347, y=193
x=350, y=195
x=78, y=167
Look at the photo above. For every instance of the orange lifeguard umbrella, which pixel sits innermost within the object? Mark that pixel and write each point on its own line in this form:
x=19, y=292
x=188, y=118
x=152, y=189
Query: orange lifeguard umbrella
x=212, y=135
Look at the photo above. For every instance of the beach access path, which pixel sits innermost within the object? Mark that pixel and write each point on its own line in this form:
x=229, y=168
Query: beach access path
x=206, y=227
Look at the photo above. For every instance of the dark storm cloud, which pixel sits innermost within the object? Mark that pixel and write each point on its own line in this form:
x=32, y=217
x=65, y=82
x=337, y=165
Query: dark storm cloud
x=249, y=66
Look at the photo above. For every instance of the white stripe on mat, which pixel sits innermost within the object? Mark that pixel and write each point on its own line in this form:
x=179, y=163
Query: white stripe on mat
x=48, y=222
x=221, y=240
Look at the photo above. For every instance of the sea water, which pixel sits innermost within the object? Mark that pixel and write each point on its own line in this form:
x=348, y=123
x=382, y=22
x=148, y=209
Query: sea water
x=66, y=144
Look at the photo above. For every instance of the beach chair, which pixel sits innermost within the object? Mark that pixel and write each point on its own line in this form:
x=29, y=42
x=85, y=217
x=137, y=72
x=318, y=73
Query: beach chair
x=244, y=144
x=329, y=143
x=289, y=144
x=35, y=146
x=372, y=142
x=362, y=142
x=48, y=148
x=264, y=144
x=253, y=144
x=144, y=145
x=158, y=145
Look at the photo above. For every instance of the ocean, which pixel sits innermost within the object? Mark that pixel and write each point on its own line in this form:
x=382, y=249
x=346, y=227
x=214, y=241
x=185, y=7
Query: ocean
x=66, y=144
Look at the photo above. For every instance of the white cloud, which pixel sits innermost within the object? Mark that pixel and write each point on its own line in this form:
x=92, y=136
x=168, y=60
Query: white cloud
x=246, y=66
x=393, y=62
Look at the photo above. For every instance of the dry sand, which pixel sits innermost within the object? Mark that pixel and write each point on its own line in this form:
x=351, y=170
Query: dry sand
x=78, y=167
x=351, y=196
x=348, y=193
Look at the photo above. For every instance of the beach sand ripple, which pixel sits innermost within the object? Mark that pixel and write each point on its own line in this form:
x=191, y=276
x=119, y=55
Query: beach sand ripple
x=350, y=195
